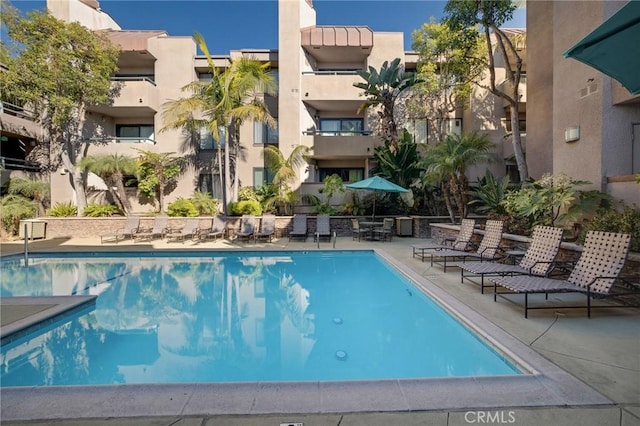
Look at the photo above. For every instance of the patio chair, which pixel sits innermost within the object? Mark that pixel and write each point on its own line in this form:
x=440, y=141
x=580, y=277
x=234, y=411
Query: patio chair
x=267, y=228
x=159, y=229
x=461, y=242
x=131, y=226
x=323, y=227
x=538, y=259
x=598, y=268
x=189, y=230
x=299, y=227
x=218, y=228
x=385, y=233
x=488, y=250
x=247, y=227
x=357, y=231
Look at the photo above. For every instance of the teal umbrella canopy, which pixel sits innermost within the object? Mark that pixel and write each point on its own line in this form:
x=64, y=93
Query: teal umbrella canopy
x=613, y=48
x=377, y=184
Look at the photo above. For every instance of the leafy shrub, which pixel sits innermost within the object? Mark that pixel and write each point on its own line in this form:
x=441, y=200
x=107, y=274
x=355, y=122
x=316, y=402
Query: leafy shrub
x=101, y=210
x=626, y=221
x=490, y=194
x=204, y=203
x=63, y=210
x=15, y=208
x=248, y=193
x=246, y=207
x=182, y=207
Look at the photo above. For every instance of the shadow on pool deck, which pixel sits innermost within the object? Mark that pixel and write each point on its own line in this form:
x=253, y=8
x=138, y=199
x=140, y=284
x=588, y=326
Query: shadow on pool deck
x=602, y=352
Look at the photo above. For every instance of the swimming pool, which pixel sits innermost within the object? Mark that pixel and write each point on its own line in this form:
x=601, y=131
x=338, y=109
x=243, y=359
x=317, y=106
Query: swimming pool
x=174, y=317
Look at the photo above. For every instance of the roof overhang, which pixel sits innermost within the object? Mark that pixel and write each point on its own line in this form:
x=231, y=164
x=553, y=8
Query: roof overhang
x=337, y=43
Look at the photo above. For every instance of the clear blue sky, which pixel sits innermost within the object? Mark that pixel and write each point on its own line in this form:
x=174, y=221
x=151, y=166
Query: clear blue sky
x=238, y=24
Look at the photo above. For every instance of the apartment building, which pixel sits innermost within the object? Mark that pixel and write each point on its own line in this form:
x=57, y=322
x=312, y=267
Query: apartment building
x=317, y=104
x=580, y=121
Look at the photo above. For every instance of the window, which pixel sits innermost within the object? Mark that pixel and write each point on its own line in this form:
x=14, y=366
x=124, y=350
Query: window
x=341, y=126
x=346, y=174
x=522, y=124
x=211, y=184
x=207, y=140
x=130, y=181
x=417, y=127
x=134, y=133
x=263, y=134
x=261, y=176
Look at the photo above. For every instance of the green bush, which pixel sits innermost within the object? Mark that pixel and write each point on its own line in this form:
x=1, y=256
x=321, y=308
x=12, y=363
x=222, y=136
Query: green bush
x=101, y=210
x=15, y=208
x=248, y=193
x=63, y=210
x=626, y=221
x=182, y=207
x=205, y=203
x=245, y=207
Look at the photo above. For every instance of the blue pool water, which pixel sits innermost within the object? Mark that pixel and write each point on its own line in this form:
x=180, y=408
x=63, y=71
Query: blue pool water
x=234, y=317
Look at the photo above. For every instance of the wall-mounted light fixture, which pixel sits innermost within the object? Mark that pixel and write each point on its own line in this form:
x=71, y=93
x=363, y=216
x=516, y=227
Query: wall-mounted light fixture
x=572, y=134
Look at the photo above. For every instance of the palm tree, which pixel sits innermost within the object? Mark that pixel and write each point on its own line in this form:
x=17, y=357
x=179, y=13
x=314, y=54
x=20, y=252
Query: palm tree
x=222, y=105
x=383, y=89
x=36, y=190
x=448, y=161
x=112, y=168
x=284, y=169
x=156, y=172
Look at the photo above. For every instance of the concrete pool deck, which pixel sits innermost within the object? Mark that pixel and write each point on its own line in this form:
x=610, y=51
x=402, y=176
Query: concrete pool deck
x=602, y=352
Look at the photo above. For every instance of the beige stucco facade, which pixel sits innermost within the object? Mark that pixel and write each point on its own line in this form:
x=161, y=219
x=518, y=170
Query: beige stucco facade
x=565, y=94
x=316, y=68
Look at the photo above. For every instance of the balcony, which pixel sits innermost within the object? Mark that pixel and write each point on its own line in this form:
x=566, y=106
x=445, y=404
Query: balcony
x=18, y=120
x=325, y=147
x=331, y=90
x=138, y=97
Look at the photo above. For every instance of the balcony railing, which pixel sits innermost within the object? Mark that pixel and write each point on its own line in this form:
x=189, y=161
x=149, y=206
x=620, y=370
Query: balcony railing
x=118, y=139
x=331, y=72
x=133, y=78
x=16, y=111
x=8, y=163
x=337, y=132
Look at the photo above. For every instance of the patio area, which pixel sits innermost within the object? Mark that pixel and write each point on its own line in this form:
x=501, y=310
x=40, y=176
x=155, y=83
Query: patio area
x=601, y=352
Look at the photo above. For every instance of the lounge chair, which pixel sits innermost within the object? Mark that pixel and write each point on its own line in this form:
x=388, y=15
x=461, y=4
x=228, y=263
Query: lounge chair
x=488, y=250
x=189, y=230
x=218, y=228
x=159, y=229
x=247, y=227
x=461, y=242
x=267, y=228
x=385, y=232
x=323, y=227
x=131, y=226
x=299, y=227
x=594, y=275
x=538, y=259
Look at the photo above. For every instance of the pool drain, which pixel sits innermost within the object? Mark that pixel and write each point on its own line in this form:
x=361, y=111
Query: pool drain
x=337, y=320
x=341, y=355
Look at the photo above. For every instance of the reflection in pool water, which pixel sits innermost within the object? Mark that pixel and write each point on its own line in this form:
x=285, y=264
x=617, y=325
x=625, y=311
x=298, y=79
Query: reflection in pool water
x=244, y=316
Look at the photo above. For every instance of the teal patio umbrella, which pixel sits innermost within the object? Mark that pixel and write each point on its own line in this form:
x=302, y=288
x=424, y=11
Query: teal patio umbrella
x=613, y=48
x=376, y=184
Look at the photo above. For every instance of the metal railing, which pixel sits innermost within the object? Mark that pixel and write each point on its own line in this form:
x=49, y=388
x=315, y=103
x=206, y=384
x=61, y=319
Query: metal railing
x=16, y=111
x=8, y=163
x=133, y=78
x=120, y=139
x=331, y=72
x=336, y=132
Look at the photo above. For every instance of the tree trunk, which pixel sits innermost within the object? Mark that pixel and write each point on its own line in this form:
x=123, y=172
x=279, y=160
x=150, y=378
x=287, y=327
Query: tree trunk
x=122, y=195
x=516, y=140
x=447, y=201
x=227, y=169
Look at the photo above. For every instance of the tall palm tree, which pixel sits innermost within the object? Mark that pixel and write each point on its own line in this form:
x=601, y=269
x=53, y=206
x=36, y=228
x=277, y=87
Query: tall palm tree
x=222, y=105
x=284, y=169
x=112, y=168
x=383, y=89
x=448, y=161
